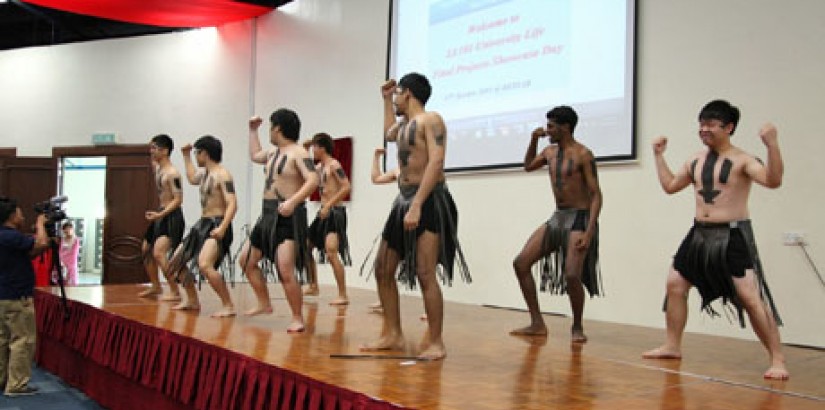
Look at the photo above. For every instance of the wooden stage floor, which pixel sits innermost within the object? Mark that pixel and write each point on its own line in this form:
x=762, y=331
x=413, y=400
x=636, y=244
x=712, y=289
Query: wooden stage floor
x=486, y=368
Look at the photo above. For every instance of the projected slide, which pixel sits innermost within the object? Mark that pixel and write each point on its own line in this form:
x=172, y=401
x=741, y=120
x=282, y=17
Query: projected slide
x=497, y=66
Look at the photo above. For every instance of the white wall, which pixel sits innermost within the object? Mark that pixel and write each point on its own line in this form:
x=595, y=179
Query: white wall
x=325, y=59
x=184, y=84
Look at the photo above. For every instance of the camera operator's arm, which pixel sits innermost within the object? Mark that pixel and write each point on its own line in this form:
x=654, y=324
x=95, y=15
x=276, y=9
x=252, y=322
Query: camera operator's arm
x=41, y=239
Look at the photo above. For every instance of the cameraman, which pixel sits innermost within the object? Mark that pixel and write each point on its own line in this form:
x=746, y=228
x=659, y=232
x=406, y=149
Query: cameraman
x=17, y=325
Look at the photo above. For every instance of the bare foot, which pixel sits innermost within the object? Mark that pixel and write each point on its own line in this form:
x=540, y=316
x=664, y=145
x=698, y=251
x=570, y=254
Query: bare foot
x=148, y=293
x=225, y=312
x=433, y=352
x=389, y=342
x=777, y=371
x=295, y=327
x=311, y=291
x=259, y=310
x=663, y=352
x=339, y=301
x=532, y=330
x=172, y=297
x=376, y=308
x=577, y=335
x=187, y=306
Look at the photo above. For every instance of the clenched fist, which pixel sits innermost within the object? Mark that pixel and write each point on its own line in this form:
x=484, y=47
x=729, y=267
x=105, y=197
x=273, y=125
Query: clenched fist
x=659, y=145
x=768, y=134
x=388, y=88
x=255, y=122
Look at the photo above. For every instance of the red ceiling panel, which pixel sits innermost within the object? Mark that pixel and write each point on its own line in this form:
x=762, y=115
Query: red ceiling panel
x=164, y=13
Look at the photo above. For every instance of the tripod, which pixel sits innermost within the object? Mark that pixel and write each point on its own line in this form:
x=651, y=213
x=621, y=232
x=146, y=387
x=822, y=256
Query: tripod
x=56, y=267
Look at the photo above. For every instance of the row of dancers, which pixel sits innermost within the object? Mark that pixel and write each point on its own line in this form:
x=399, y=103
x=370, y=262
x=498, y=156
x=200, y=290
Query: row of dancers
x=419, y=244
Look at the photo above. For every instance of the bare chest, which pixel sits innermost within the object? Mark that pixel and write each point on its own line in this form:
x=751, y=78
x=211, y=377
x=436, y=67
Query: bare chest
x=209, y=190
x=280, y=166
x=715, y=176
x=565, y=169
x=159, y=180
x=326, y=182
x=412, y=146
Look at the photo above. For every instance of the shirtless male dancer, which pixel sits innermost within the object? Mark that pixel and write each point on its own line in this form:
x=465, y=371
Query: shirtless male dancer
x=328, y=232
x=280, y=234
x=569, y=239
x=166, y=225
x=421, y=230
x=719, y=254
x=208, y=242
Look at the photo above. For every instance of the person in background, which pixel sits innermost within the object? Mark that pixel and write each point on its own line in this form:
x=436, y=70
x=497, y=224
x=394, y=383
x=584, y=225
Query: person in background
x=328, y=232
x=69, y=251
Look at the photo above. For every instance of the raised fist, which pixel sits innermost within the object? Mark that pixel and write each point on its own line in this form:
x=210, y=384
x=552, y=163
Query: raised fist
x=186, y=149
x=768, y=134
x=255, y=122
x=388, y=88
x=539, y=133
x=379, y=152
x=659, y=145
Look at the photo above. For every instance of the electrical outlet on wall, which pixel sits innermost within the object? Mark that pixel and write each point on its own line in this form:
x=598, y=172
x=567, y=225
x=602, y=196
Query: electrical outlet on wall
x=793, y=238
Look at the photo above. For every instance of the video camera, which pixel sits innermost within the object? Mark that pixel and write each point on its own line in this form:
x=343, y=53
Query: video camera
x=53, y=209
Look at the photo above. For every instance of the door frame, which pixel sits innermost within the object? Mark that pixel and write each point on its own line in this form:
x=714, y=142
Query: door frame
x=99, y=151
x=94, y=151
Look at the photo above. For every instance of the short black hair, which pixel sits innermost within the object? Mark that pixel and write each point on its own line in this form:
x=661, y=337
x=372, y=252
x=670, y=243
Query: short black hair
x=564, y=114
x=720, y=110
x=211, y=145
x=289, y=122
x=418, y=85
x=324, y=141
x=67, y=224
x=164, y=141
x=8, y=207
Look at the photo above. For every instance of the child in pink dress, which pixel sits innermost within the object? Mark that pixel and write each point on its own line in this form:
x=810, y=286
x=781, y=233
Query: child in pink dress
x=69, y=250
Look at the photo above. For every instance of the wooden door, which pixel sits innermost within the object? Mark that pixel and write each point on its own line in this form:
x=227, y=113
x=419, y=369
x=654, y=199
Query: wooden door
x=4, y=154
x=130, y=192
x=29, y=180
x=4, y=189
